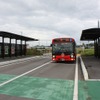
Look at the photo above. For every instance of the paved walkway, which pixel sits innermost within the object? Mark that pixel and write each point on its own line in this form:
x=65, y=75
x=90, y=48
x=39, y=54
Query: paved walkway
x=93, y=66
x=89, y=90
x=13, y=58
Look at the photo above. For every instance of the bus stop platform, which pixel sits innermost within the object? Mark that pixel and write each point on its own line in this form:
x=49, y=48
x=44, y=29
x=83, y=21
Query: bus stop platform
x=92, y=65
x=90, y=89
x=13, y=58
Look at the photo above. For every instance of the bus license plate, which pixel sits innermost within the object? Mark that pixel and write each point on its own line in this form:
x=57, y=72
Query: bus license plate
x=62, y=59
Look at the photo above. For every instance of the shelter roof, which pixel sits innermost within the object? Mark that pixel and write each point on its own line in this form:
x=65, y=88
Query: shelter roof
x=90, y=34
x=16, y=36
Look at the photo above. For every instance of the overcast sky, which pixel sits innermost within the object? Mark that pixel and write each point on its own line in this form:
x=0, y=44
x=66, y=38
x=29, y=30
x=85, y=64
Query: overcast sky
x=48, y=19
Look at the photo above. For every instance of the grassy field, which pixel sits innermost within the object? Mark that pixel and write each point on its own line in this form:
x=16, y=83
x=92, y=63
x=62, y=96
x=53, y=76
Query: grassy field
x=34, y=52
x=86, y=52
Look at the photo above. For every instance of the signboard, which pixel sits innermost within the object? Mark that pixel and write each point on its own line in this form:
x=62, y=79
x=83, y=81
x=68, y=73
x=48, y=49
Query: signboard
x=23, y=49
x=0, y=50
x=18, y=49
x=99, y=42
x=6, y=50
x=12, y=49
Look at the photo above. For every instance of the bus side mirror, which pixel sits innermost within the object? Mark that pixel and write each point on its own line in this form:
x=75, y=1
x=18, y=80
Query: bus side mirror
x=51, y=45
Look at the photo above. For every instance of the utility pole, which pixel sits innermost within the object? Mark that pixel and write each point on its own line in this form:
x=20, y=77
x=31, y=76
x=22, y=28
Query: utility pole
x=98, y=23
x=21, y=33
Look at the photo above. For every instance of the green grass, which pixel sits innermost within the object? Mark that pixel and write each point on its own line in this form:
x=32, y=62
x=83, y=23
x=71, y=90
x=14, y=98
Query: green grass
x=33, y=51
x=86, y=52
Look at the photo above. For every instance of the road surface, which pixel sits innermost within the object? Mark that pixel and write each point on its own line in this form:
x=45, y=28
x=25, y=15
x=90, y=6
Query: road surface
x=38, y=79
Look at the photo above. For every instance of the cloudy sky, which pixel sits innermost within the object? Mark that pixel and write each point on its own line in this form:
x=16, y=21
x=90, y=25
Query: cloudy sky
x=48, y=19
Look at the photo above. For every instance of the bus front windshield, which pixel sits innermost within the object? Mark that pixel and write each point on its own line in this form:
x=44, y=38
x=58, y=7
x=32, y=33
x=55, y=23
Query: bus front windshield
x=62, y=48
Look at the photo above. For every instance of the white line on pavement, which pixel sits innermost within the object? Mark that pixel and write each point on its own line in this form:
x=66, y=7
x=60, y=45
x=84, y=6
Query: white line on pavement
x=75, y=95
x=93, y=80
x=24, y=74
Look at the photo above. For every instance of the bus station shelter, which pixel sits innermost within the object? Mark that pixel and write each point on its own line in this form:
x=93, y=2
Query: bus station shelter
x=92, y=34
x=13, y=49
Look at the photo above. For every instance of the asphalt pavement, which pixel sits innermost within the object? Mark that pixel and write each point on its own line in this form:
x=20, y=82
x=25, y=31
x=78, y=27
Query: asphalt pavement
x=37, y=78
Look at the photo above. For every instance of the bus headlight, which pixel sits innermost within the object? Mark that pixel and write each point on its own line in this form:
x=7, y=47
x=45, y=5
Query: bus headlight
x=72, y=56
x=53, y=56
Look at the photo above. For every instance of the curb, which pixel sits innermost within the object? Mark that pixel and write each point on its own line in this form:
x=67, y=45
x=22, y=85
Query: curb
x=85, y=73
x=17, y=60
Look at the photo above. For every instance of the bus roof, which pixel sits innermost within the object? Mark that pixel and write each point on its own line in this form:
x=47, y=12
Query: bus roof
x=59, y=40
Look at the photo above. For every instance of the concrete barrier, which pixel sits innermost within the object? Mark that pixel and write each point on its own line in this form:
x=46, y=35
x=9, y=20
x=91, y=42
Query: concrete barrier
x=85, y=73
x=17, y=60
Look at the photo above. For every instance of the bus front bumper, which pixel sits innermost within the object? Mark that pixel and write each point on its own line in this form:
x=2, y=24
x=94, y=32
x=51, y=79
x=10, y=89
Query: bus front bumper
x=65, y=58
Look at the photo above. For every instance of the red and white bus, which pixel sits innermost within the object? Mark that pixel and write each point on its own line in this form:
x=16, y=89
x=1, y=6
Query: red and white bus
x=63, y=49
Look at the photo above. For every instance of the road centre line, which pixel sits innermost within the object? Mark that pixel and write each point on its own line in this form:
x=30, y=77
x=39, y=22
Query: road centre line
x=75, y=94
x=6, y=82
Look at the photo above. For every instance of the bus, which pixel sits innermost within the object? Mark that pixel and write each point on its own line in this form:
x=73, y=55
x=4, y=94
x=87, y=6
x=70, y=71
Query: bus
x=63, y=49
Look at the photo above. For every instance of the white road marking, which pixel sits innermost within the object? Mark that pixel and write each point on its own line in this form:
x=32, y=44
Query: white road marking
x=75, y=95
x=93, y=80
x=6, y=82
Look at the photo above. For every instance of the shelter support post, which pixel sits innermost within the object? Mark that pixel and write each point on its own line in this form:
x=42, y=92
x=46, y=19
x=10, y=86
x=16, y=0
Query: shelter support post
x=96, y=49
x=2, y=50
x=16, y=47
x=99, y=47
x=25, y=48
x=21, y=47
x=10, y=48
